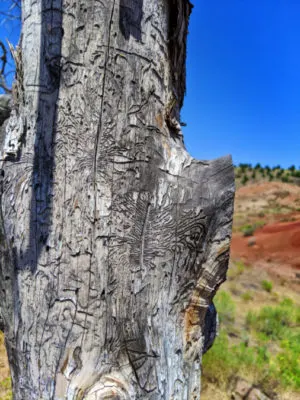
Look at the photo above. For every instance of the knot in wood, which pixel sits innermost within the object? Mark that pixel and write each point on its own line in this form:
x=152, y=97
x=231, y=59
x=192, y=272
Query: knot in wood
x=108, y=388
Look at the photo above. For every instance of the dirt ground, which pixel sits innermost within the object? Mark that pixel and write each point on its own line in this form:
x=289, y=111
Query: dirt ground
x=266, y=238
x=273, y=207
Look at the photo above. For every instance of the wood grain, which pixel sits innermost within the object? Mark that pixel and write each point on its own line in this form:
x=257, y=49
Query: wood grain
x=116, y=238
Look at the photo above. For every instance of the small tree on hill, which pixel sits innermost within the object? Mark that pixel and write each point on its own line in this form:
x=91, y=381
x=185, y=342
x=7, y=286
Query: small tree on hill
x=292, y=168
x=245, y=179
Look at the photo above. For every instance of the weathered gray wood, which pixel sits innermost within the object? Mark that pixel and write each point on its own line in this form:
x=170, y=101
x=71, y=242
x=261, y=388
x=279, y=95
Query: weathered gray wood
x=5, y=109
x=116, y=239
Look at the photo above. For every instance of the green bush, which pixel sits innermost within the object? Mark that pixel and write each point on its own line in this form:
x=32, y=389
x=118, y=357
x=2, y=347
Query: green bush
x=225, y=361
x=267, y=352
x=274, y=322
x=267, y=285
x=236, y=269
x=285, y=179
x=288, y=367
x=249, y=229
x=245, y=179
x=279, y=173
x=247, y=296
x=225, y=307
x=277, y=327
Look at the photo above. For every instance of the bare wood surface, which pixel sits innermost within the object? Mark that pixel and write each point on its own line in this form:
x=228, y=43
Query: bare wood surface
x=116, y=238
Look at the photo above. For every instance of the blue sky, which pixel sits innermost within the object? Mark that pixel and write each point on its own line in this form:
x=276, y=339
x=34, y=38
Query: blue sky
x=9, y=30
x=243, y=80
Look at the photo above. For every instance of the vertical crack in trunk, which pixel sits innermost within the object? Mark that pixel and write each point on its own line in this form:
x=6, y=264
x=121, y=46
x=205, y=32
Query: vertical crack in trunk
x=143, y=236
x=98, y=136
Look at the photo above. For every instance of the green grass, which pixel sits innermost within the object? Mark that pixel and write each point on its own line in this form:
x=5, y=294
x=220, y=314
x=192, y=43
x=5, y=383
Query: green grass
x=267, y=286
x=5, y=389
x=247, y=296
x=249, y=229
x=236, y=270
x=224, y=361
x=288, y=366
x=226, y=307
x=275, y=323
x=253, y=356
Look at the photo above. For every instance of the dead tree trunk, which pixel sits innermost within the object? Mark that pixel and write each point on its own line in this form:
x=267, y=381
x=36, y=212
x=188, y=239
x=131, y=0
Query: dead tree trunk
x=113, y=239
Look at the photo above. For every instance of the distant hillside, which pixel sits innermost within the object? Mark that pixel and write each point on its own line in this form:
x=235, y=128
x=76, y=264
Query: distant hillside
x=246, y=173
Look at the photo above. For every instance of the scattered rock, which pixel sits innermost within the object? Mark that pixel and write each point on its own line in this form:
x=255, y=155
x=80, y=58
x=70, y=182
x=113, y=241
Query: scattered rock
x=244, y=390
x=256, y=394
x=252, y=241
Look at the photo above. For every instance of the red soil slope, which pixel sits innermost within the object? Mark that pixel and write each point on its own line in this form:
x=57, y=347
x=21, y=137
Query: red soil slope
x=276, y=246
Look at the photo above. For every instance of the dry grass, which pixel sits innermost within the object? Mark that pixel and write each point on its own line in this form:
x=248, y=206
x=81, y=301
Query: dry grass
x=224, y=362
x=211, y=392
x=5, y=386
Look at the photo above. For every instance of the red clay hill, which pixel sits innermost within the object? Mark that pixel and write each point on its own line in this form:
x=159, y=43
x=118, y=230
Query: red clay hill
x=266, y=230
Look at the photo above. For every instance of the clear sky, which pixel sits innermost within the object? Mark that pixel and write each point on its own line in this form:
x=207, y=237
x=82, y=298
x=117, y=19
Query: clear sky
x=9, y=30
x=243, y=80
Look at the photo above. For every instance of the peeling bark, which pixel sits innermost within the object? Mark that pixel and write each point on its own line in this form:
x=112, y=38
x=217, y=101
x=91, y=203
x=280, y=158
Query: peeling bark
x=114, y=239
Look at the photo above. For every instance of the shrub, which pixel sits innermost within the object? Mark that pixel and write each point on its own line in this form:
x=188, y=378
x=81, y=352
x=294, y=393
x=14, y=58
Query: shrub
x=277, y=366
x=243, y=167
x=247, y=296
x=267, y=286
x=285, y=179
x=248, y=229
x=225, y=361
x=289, y=362
x=245, y=179
x=267, y=354
x=279, y=173
x=274, y=322
x=276, y=167
x=236, y=269
x=225, y=307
